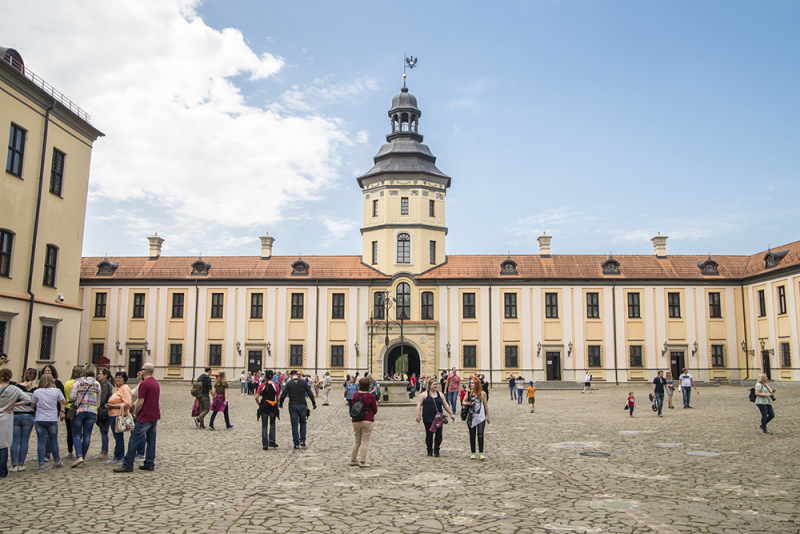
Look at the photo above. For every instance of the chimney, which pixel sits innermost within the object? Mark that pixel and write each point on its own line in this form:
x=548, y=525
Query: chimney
x=660, y=245
x=155, y=246
x=266, y=246
x=544, y=245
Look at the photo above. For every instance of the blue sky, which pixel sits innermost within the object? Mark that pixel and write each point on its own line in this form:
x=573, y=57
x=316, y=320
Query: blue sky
x=601, y=123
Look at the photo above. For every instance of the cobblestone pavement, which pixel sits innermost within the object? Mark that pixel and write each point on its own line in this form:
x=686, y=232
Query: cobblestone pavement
x=533, y=479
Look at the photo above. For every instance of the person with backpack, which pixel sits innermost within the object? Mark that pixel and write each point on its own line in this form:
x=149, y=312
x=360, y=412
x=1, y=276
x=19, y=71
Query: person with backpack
x=764, y=394
x=297, y=390
x=430, y=410
x=267, y=401
x=202, y=394
x=362, y=414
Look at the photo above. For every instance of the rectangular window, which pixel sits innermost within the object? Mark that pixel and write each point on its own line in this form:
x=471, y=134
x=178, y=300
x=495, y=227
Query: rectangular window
x=50, y=262
x=404, y=206
x=374, y=208
x=378, y=306
x=337, y=356
x=592, y=305
x=337, y=306
x=175, y=354
x=432, y=208
x=469, y=305
x=634, y=311
x=433, y=252
x=762, y=303
x=781, y=300
x=3, y=329
x=138, y=305
x=470, y=356
x=97, y=352
x=512, y=356
x=674, y=303
x=786, y=355
x=594, y=357
x=510, y=305
x=16, y=150
x=215, y=355
x=257, y=306
x=374, y=253
x=100, y=304
x=6, y=242
x=177, y=305
x=57, y=172
x=295, y=355
x=46, y=343
x=427, y=306
x=297, y=305
x=551, y=305
x=714, y=306
x=636, y=358
x=717, y=355
x=217, y=305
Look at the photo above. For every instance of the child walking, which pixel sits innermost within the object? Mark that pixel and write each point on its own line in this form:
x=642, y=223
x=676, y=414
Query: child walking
x=462, y=394
x=531, y=394
x=631, y=402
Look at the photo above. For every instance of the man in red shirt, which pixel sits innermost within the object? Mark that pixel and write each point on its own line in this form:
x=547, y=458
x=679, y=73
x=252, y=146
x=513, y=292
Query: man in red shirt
x=453, y=385
x=147, y=414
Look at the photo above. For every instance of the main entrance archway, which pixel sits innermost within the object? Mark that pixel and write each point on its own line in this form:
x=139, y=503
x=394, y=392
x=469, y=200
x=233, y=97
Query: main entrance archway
x=393, y=363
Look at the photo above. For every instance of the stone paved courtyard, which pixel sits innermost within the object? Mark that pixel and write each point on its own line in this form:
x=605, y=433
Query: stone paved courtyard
x=533, y=479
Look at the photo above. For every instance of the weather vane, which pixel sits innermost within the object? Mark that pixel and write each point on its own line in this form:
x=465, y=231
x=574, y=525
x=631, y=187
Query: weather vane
x=411, y=62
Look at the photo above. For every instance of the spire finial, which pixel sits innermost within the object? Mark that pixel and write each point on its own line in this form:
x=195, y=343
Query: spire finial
x=411, y=62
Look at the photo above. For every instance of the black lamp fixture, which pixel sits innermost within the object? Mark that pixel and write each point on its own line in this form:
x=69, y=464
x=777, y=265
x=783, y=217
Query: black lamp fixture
x=269, y=353
x=356, y=346
x=666, y=348
x=147, y=350
x=448, y=349
x=770, y=351
x=239, y=348
x=694, y=350
x=538, y=349
x=569, y=351
x=117, y=344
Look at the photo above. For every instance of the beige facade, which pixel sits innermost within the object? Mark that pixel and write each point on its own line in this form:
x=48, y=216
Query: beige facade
x=42, y=208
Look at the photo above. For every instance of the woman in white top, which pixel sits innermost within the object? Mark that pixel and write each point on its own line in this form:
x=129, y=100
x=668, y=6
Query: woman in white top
x=520, y=383
x=764, y=395
x=478, y=417
x=243, y=383
x=49, y=403
x=10, y=396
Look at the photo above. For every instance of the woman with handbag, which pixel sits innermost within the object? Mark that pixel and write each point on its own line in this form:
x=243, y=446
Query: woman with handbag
x=430, y=410
x=220, y=403
x=764, y=398
x=103, y=416
x=10, y=396
x=84, y=395
x=478, y=417
x=23, y=423
x=119, y=404
x=76, y=374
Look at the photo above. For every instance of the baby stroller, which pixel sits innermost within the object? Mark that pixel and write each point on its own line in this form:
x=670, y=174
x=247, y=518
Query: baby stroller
x=653, y=400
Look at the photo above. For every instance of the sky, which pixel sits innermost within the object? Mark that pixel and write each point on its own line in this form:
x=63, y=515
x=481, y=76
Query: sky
x=599, y=122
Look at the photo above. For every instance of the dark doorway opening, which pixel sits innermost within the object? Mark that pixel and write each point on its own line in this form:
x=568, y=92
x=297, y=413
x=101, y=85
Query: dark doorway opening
x=254, y=358
x=553, y=360
x=134, y=361
x=676, y=363
x=394, y=364
x=765, y=364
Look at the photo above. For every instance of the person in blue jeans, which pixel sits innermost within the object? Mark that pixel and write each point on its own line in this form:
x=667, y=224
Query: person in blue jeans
x=659, y=382
x=512, y=386
x=85, y=395
x=687, y=383
x=297, y=390
x=49, y=403
x=23, y=424
x=147, y=414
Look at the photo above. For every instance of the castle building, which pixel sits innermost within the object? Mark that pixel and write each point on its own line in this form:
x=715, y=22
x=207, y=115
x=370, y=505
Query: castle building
x=406, y=304
x=42, y=209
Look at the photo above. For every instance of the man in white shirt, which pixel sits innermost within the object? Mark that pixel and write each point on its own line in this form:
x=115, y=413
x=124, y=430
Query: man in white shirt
x=587, y=382
x=327, y=382
x=687, y=383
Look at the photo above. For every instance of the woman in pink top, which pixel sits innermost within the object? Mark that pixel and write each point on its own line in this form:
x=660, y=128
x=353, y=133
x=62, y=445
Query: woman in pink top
x=119, y=403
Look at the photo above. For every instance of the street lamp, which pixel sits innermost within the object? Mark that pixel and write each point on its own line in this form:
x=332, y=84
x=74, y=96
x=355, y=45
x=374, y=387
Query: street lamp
x=538, y=349
x=666, y=348
x=119, y=350
x=269, y=353
x=694, y=351
x=147, y=350
x=239, y=348
x=569, y=351
x=770, y=351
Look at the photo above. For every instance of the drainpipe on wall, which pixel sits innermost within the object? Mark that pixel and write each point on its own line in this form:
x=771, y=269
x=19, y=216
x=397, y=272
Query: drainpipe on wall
x=614, y=323
x=194, y=347
x=35, y=236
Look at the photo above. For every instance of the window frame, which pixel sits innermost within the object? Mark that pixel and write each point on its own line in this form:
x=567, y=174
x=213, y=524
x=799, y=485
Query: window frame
x=510, y=305
x=403, y=248
x=590, y=356
x=337, y=352
x=468, y=305
x=374, y=253
x=50, y=266
x=51, y=342
x=256, y=305
x=551, y=305
x=762, y=303
x=297, y=303
x=295, y=351
x=432, y=252
x=782, y=300
x=138, y=307
x=6, y=252
x=378, y=308
x=215, y=350
x=171, y=354
x=426, y=306
x=674, y=305
x=403, y=301
x=337, y=306
x=217, y=305
x=100, y=307
x=469, y=351
x=593, y=305
x=714, y=305
x=431, y=208
x=634, y=309
x=178, y=306
x=16, y=149
x=57, y=172
x=375, y=208
x=404, y=206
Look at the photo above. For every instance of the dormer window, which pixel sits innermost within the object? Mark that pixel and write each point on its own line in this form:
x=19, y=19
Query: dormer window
x=610, y=266
x=508, y=267
x=772, y=259
x=200, y=268
x=106, y=268
x=708, y=267
x=299, y=268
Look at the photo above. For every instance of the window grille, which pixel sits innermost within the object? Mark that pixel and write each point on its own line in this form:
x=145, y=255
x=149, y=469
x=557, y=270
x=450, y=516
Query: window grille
x=176, y=354
x=215, y=355
x=470, y=356
x=337, y=356
x=717, y=355
x=46, y=344
x=296, y=355
x=594, y=356
x=786, y=354
x=636, y=355
x=98, y=349
x=512, y=356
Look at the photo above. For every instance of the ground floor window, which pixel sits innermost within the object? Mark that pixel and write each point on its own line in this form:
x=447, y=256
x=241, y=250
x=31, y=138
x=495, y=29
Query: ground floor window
x=512, y=356
x=215, y=355
x=295, y=355
x=636, y=355
x=594, y=356
x=337, y=356
x=470, y=356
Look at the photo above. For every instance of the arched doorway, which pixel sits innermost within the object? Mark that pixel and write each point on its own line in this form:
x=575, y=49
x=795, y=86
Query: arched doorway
x=393, y=363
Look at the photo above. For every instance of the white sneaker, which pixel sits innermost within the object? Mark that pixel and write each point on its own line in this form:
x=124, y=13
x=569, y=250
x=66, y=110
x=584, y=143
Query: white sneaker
x=20, y=468
x=13, y=469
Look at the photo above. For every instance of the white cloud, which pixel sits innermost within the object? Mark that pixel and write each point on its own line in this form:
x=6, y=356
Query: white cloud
x=324, y=93
x=179, y=135
x=548, y=221
x=336, y=229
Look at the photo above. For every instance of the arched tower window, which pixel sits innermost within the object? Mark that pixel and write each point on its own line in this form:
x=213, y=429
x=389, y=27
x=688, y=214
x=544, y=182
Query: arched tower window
x=414, y=123
x=403, y=248
x=403, y=301
x=395, y=124
x=404, y=122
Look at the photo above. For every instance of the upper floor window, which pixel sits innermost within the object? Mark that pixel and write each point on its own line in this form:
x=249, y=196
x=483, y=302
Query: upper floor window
x=469, y=305
x=297, y=305
x=50, y=262
x=403, y=301
x=510, y=305
x=16, y=150
x=762, y=303
x=257, y=306
x=714, y=306
x=781, y=300
x=433, y=252
x=592, y=305
x=378, y=305
x=403, y=248
x=551, y=305
x=138, y=306
x=177, y=305
x=404, y=206
x=374, y=208
x=674, y=304
x=427, y=306
x=6, y=244
x=337, y=306
x=100, y=304
x=57, y=172
x=374, y=252
x=634, y=310
x=432, y=208
x=217, y=305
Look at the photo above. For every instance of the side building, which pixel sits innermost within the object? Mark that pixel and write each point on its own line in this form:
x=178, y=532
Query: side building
x=42, y=209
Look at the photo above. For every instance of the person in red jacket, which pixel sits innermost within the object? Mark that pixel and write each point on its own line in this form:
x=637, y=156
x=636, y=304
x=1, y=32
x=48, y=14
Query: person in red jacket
x=363, y=428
